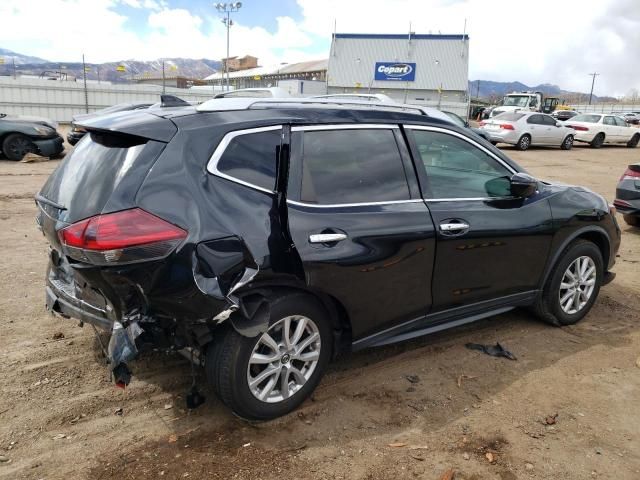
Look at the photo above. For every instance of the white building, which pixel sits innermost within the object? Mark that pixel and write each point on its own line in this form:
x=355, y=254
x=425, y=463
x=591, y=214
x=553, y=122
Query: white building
x=428, y=70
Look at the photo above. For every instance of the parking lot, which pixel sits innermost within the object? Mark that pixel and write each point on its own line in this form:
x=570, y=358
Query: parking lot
x=567, y=408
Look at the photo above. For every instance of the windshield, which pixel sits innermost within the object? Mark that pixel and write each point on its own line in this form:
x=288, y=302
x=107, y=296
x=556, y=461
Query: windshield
x=586, y=118
x=516, y=101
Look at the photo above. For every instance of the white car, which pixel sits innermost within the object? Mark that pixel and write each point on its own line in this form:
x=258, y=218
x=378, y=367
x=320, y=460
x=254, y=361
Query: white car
x=524, y=129
x=598, y=129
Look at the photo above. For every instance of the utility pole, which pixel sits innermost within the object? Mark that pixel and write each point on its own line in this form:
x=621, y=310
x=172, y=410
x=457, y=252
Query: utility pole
x=84, y=78
x=227, y=9
x=14, y=67
x=477, y=89
x=164, y=88
x=593, y=81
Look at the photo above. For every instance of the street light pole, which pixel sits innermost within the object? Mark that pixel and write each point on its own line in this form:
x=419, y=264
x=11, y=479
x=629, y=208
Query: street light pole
x=593, y=81
x=227, y=9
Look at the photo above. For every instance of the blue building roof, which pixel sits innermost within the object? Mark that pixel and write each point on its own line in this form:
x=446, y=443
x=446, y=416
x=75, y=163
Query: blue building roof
x=403, y=36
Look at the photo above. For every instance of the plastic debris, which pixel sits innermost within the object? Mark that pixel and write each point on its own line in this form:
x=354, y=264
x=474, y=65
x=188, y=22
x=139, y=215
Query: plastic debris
x=496, y=350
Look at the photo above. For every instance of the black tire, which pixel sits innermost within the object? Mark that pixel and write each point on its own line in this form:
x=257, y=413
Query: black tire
x=548, y=307
x=227, y=361
x=524, y=143
x=633, y=143
x=567, y=144
x=632, y=220
x=17, y=145
x=597, y=141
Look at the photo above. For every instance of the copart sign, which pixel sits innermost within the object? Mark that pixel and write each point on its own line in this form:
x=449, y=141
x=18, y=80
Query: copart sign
x=398, y=71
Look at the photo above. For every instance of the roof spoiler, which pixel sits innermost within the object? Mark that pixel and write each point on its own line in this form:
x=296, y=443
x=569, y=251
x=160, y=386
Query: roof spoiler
x=173, y=101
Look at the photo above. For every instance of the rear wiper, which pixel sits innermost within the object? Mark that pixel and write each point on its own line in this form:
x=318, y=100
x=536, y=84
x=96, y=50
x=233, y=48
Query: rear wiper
x=46, y=201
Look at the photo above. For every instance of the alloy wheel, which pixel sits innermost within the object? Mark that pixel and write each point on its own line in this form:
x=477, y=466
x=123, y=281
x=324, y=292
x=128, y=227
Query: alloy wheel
x=20, y=146
x=284, y=359
x=577, y=285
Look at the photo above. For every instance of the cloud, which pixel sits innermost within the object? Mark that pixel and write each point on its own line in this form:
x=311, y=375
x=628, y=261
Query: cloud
x=549, y=42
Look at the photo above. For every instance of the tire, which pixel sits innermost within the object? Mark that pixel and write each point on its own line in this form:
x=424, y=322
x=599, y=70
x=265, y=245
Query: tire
x=524, y=143
x=633, y=143
x=548, y=306
x=16, y=146
x=567, y=144
x=597, y=141
x=229, y=370
x=632, y=220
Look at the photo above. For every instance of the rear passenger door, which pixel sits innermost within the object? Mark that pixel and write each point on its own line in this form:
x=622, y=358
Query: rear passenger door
x=359, y=224
x=611, y=131
x=624, y=130
x=554, y=135
x=491, y=248
x=537, y=129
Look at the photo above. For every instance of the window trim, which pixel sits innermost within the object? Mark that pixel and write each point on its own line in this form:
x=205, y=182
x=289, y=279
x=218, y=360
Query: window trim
x=212, y=164
x=473, y=143
x=345, y=126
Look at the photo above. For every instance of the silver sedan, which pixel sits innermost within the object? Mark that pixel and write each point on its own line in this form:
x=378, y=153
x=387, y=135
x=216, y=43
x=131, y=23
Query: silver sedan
x=524, y=129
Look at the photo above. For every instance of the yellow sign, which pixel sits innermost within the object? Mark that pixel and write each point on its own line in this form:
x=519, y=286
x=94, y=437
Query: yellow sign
x=120, y=68
x=257, y=77
x=173, y=67
x=87, y=69
x=1, y=60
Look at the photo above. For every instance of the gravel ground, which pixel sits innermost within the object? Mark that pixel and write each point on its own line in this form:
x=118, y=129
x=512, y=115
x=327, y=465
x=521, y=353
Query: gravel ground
x=568, y=408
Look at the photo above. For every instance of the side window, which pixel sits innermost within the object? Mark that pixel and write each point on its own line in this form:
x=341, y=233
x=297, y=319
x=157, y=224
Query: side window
x=252, y=158
x=352, y=166
x=620, y=122
x=456, y=168
x=535, y=119
x=609, y=121
x=547, y=120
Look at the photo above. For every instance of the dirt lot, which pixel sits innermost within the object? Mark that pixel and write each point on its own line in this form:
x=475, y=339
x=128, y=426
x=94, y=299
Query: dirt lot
x=483, y=417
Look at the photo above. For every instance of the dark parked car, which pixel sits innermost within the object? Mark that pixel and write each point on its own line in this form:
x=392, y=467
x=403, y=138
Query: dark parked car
x=19, y=137
x=266, y=236
x=627, y=199
x=462, y=123
x=563, y=115
x=77, y=131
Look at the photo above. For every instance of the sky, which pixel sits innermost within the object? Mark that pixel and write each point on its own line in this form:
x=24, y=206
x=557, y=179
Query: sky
x=547, y=41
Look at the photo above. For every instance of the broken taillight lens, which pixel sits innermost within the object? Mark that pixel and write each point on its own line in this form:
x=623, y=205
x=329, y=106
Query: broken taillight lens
x=122, y=237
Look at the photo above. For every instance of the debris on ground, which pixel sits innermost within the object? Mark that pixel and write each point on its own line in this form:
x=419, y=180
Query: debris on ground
x=490, y=456
x=496, y=350
x=118, y=411
x=464, y=377
x=528, y=466
x=551, y=419
x=397, y=445
x=32, y=158
x=168, y=406
x=173, y=438
x=412, y=378
x=448, y=475
x=4, y=459
x=58, y=336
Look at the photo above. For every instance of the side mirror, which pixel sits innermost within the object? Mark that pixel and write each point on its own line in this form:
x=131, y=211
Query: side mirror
x=523, y=185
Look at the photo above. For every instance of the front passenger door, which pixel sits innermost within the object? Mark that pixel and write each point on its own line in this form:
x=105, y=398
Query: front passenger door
x=490, y=246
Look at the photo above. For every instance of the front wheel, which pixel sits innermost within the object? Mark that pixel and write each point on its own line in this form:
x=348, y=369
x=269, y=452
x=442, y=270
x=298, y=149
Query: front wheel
x=17, y=145
x=633, y=143
x=524, y=143
x=568, y=143
x=597, y=141
x=573, y=285
x=269, y=375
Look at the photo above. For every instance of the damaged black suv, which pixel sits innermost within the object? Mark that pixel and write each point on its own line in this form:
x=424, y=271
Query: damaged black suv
x=266, y=236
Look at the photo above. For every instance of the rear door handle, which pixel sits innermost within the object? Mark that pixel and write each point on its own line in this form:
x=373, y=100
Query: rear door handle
x=327, y=237
x=454, y=227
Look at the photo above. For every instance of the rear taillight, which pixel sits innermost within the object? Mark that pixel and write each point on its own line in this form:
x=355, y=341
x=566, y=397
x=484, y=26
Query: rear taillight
x=579, y=128
x=122, y=237
x=630, y=175
x=506, y=126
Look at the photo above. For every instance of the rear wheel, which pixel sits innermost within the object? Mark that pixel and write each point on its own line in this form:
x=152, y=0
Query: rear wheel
x=568, y=143
x=572, y=286
x=269, y=375
x=524, y=142
x=633, y=143
x=17, y=145
x=633, y=220
x=597, y=141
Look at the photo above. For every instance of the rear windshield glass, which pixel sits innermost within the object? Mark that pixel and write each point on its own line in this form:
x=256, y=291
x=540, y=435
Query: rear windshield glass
x=509, y=116
x=586, y=118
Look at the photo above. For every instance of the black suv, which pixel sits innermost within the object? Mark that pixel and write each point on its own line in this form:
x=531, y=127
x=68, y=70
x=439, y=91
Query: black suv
x=266, y=236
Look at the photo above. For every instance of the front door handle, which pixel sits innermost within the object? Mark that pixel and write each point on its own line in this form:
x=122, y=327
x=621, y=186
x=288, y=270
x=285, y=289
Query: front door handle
x=327, y=237
x=454, y=227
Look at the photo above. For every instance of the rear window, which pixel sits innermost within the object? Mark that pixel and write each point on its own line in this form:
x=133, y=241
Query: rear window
x=586, y=118
x=509, y=116
x=352, y=166
x=252, y=158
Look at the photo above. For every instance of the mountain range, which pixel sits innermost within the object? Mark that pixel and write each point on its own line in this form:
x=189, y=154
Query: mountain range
x=200, y=68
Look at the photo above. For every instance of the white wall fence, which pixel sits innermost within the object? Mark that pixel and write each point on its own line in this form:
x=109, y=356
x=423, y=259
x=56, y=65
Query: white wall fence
x=59, y=100
x=607, y=108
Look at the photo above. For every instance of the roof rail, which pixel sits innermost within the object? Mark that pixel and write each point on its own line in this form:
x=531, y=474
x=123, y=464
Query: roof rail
x=226, y=104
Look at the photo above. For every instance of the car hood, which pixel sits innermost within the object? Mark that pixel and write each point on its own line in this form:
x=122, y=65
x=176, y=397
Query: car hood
x=29, y=120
